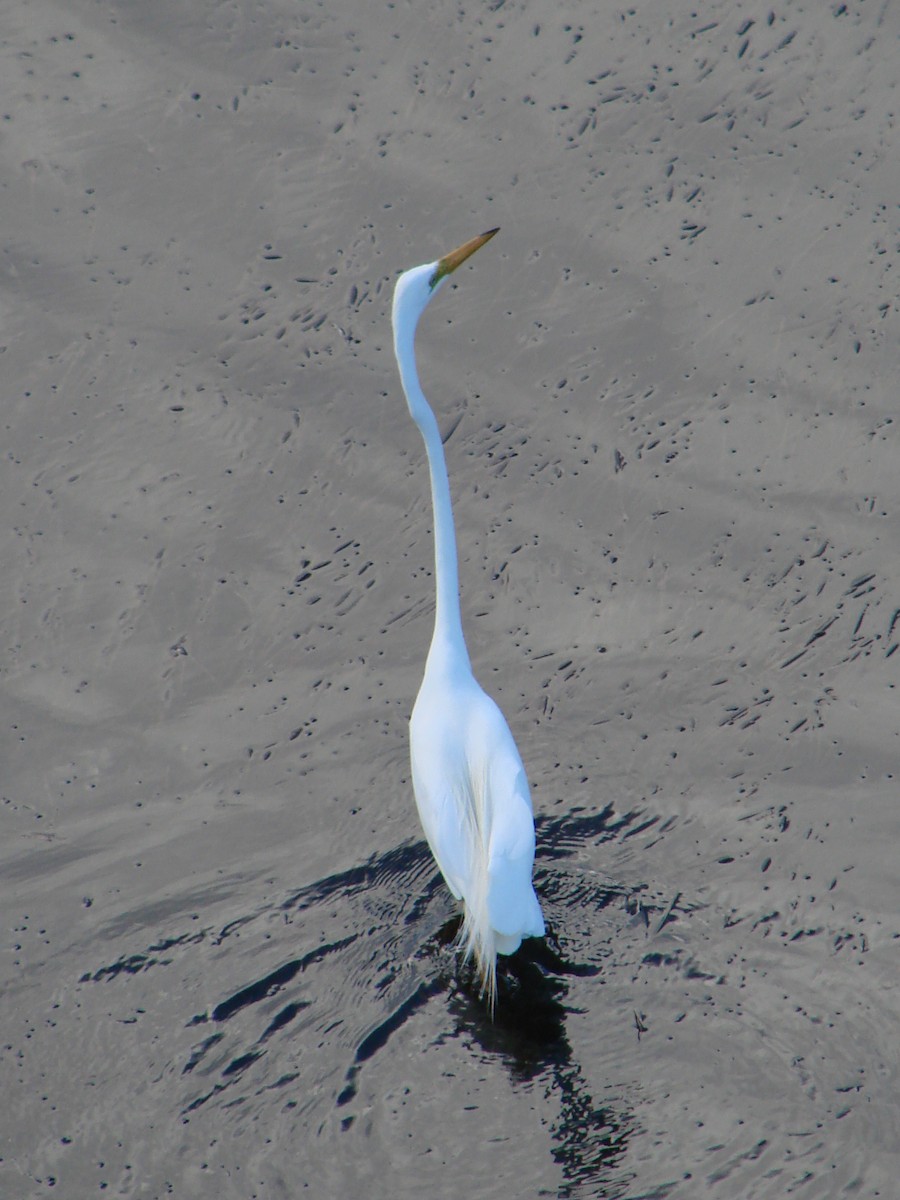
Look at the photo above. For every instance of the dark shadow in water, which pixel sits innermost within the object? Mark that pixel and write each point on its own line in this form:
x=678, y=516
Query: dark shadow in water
x=527, y=1029
x=529, y=1033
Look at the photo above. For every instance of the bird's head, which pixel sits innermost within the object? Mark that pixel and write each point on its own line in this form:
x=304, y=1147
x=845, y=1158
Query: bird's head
x=416, y=287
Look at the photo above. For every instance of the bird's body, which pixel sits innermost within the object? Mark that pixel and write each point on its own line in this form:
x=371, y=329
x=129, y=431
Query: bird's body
x=469, y=782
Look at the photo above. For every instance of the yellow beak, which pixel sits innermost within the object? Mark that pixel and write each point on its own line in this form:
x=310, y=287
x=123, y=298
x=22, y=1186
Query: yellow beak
x=456, y=257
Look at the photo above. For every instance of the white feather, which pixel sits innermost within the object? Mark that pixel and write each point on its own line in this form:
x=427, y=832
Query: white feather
x=469, y=782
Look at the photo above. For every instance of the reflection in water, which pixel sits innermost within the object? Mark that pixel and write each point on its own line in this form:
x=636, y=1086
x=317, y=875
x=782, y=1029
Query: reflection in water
x=529, y=1033
x=382, y=954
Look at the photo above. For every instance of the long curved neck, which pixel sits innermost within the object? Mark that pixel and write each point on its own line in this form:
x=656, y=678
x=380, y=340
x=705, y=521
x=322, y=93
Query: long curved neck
x=447, y=644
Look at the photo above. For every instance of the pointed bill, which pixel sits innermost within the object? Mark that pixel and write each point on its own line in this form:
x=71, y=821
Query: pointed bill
x=456, y=257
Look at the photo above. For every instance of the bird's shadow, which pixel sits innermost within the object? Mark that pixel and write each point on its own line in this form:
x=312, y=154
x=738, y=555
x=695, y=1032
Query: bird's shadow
x=526, y=1030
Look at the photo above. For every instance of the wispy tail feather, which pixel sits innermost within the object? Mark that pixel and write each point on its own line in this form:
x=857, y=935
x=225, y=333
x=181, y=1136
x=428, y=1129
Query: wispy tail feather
x=478, y=941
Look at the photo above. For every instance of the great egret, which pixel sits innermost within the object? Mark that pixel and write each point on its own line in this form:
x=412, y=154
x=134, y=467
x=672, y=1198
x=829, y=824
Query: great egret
x=469, y=782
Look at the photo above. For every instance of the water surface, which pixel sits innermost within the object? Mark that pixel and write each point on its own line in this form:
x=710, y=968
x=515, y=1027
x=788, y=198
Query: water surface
x=668, y=391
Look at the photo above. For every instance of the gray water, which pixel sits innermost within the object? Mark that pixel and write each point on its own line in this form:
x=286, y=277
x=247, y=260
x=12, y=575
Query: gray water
x=669, y=396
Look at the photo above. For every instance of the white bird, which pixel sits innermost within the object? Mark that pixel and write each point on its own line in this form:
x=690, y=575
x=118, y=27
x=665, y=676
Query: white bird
x=469, y=782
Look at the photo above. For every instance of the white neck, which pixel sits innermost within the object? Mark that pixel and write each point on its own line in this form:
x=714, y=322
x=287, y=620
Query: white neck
x=448, y=646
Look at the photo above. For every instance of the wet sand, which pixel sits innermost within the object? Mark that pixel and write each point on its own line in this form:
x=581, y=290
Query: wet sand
x=669, y=395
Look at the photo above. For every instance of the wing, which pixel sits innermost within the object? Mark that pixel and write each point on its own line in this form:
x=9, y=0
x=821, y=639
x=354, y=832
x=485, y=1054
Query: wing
x=475, y=807
x=508, y=823
x=442, y=791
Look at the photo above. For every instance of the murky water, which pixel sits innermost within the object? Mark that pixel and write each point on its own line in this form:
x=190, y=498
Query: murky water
x=668, y=391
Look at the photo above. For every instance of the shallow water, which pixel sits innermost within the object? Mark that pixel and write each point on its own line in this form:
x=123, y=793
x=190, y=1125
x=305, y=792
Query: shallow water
x=668, y=391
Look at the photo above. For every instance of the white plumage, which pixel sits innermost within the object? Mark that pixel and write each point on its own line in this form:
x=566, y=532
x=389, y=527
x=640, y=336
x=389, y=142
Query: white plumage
x=469, y=781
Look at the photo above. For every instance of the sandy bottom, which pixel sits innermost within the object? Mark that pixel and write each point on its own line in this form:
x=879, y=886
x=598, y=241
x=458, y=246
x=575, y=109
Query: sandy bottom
x=669, y=394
